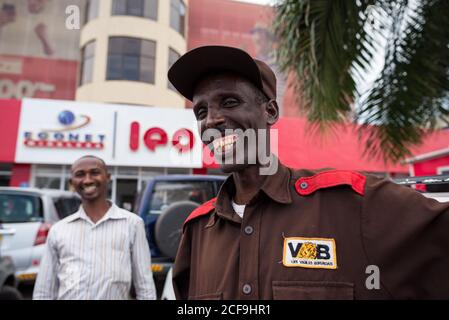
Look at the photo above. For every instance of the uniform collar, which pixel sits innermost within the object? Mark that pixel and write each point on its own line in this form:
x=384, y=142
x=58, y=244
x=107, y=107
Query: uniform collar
x=114, y=212
x=276, y=187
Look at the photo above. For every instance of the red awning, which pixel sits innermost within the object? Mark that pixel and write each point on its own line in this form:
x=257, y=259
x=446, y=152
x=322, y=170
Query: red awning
x=339, y=149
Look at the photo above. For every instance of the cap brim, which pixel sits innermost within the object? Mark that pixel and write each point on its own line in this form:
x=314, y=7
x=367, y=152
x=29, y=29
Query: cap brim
x=188, y=70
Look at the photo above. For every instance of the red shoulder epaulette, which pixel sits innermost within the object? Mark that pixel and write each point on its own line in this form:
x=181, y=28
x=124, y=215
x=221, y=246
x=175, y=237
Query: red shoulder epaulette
x=203, y=209
x=307, y=185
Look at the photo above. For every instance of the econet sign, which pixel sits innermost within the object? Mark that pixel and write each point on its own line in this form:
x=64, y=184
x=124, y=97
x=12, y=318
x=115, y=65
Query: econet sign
x=59, y=132
x=154, y=137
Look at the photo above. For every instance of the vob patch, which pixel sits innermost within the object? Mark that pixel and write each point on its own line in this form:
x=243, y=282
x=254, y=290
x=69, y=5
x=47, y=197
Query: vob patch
x=310, y=253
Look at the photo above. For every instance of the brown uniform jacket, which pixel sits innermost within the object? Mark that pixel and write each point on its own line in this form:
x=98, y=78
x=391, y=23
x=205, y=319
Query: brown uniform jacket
x=309, y=235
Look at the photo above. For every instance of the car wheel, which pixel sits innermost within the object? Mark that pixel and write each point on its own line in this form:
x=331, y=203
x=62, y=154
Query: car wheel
x=168, y=227
x=10, y=293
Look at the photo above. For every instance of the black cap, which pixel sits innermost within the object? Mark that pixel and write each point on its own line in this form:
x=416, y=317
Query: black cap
x=188, y=70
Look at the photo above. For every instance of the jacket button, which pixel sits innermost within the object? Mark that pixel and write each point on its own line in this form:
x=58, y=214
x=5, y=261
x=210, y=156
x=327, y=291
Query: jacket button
x=304, y=185
x=247, y=289
x=249, y=230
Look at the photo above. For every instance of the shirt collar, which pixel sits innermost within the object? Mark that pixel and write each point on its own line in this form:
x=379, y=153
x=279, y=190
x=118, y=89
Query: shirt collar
x=276, y=187
x=114, y=212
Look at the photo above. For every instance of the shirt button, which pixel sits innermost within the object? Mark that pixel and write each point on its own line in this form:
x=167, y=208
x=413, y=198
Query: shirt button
x=247, y=289
x=304, y=185
x=249, y=230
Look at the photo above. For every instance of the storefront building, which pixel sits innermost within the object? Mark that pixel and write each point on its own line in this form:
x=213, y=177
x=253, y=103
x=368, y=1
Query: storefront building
x=430, y=163
x=42, y=138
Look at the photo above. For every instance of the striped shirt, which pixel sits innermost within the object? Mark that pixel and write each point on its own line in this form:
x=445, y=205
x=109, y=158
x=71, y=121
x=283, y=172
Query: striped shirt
x=86, y=260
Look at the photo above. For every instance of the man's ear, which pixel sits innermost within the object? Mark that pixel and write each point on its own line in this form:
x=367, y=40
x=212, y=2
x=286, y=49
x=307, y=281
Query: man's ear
x=272, y=110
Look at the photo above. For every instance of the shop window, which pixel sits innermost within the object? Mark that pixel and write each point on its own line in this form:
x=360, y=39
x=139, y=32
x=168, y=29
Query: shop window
x=67, y=185
x=92, y=10
x=48, y=176
x=131, y=59
x=126, y=193
x=5, y=180
x=48, y=168
x=87, y=63
x=48, y=183
x=172, y=57
x=5, y=174
x=138, y=8
x=178, y=171
x=128, y=171
x=178, y=16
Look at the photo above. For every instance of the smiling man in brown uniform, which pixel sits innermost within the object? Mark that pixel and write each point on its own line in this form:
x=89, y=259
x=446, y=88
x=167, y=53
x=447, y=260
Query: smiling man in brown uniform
x=297, y=234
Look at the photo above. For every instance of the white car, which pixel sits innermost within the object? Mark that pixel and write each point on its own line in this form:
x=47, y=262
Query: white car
x=26, y=215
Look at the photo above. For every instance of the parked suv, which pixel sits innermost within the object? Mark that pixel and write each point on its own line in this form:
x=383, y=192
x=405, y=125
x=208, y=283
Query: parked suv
x=26, y=215
x=164, y=205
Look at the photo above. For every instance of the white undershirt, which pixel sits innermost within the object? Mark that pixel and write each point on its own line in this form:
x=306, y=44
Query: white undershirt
x=238, y=208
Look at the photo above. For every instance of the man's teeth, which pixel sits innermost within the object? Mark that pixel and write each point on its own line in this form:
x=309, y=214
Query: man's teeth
x=90, y=188
x=225, y=143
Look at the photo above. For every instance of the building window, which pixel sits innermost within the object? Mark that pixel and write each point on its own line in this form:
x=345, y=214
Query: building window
x=131, y=59
x=5, y=174
x=87, y=62
x=92, y=10
x=172, y=57
x=48, y=182
x=49, y=176
x=178, y=16
x=137, y=8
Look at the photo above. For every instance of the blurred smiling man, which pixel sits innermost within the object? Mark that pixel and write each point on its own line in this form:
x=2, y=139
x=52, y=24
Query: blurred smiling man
x=97, y=252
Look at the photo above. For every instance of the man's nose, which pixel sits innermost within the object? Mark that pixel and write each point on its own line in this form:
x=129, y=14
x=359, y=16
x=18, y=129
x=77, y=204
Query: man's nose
x=214, y=119
x=88, y=179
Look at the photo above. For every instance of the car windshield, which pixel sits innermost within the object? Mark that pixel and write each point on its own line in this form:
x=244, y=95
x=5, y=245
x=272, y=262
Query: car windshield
x=166, y=193
x=20, y=208
x=66, y=206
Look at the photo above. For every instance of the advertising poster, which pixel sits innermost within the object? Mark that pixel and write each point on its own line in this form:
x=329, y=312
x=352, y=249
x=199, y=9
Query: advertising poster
x=39, y=55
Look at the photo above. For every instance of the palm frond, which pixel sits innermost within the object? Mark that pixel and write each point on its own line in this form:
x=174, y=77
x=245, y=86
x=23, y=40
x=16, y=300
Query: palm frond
x=409, y=96
x=329, y=46
x=319, y=42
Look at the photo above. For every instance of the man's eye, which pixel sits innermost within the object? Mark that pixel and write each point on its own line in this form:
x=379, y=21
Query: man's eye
x=230, y=102
x=201, y=113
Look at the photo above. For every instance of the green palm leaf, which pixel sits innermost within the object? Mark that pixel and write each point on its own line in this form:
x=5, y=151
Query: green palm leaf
x=329, y=46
